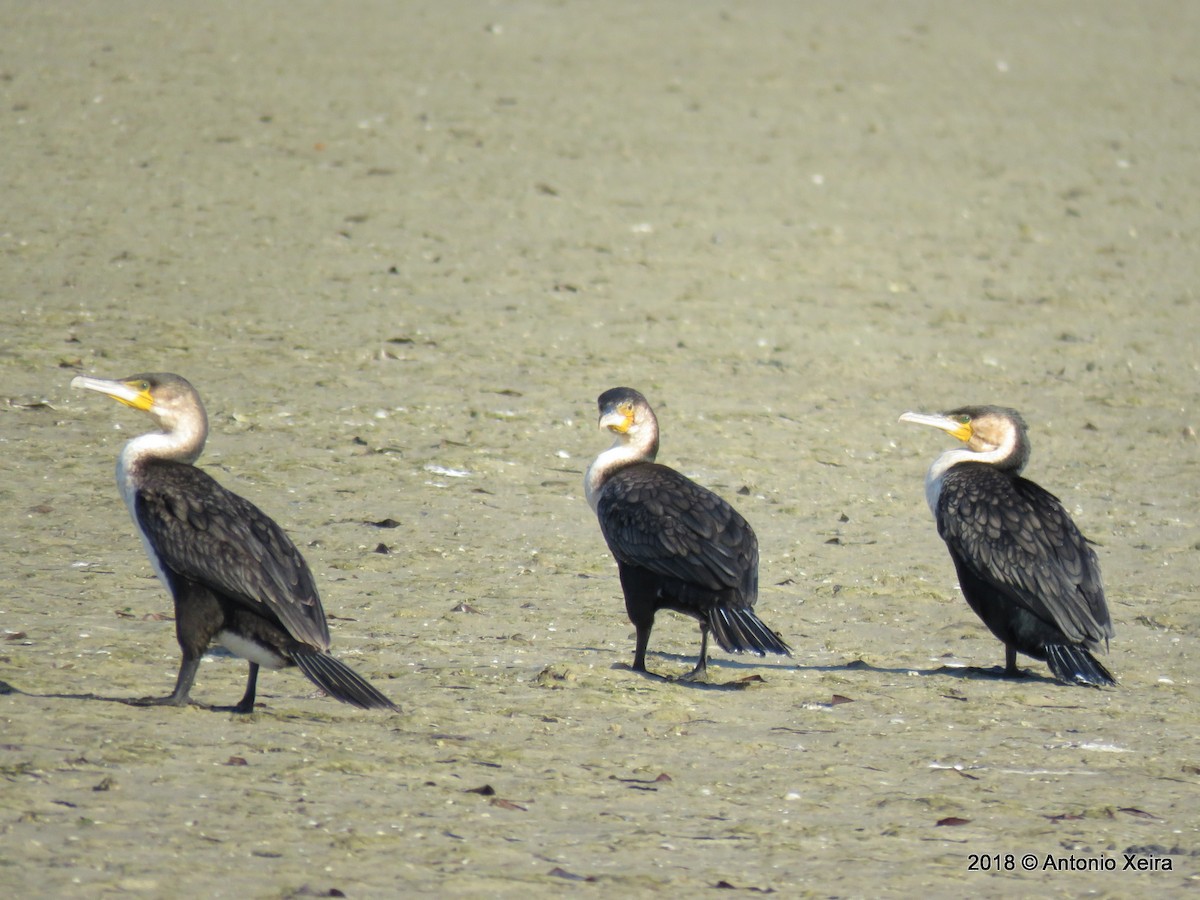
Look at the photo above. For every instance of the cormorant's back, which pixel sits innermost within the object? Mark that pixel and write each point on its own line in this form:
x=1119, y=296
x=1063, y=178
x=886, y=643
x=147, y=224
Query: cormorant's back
x=211, y=535
x=1016, y=536
x=655, y=518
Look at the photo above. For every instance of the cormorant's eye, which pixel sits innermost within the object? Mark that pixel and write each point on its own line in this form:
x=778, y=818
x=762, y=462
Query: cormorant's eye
x=962, y=420
x=143, y=385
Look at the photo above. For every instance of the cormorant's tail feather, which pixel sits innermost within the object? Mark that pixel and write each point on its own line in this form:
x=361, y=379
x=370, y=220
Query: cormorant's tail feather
x=1075, y=665
x=338, y=680
x=737, y=629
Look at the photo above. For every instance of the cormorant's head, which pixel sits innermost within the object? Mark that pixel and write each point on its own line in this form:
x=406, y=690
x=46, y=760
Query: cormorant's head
x=627, y=414
x=169, y=399
x=996, y=432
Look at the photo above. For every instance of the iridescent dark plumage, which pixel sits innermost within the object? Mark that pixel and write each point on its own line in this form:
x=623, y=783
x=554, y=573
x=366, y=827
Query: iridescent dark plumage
x=1022, y=564
x=677, y=545
x=235, y=576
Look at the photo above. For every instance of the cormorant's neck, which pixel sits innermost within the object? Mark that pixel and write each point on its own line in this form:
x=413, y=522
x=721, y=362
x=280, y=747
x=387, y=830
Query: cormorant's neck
x=1009, y=456
x=626, y=450
x=183, y=443
x=937, y=474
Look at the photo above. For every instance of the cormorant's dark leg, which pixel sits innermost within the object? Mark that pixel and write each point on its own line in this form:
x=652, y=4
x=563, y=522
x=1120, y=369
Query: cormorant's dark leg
x=198, y=616
x=1010, y=662
x=701, y=669
x=246, y=704
x=643, y=641
x=639, y=587
x=183, y=686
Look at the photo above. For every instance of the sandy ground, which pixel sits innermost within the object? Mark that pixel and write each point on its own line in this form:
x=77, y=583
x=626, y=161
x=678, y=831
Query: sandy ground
x=400, y=248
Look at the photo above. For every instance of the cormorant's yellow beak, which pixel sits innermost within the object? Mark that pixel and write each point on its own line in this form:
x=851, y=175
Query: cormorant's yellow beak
x=952, y=426
x=619, y=420
x=132, y=393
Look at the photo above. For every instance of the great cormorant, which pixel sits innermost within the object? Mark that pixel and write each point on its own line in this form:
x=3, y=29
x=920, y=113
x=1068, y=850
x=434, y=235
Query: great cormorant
x=678, y=546
x=235, y=577
x=1022, y=564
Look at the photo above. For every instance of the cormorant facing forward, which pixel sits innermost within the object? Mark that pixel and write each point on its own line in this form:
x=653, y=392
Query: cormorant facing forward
x=677, y=545
x=235, y=577
x=1022, y=564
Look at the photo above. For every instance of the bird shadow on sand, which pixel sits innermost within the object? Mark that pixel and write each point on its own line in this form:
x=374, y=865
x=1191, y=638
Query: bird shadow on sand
x=683, y=680
x=762, y=667
x=991, y=673
x=140, y=702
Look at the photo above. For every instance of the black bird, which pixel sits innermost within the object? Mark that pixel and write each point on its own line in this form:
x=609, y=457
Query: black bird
x=678, y=546
x=235, y=577
x=1022, y=564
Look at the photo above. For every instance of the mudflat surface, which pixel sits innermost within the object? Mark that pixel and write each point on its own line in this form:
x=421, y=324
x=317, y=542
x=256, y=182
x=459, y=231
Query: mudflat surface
x=401, y=248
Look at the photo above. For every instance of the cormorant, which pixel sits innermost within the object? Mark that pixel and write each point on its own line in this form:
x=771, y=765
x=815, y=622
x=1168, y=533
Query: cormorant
x=678, y=546
x=1022, y=564
x=235, y=577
